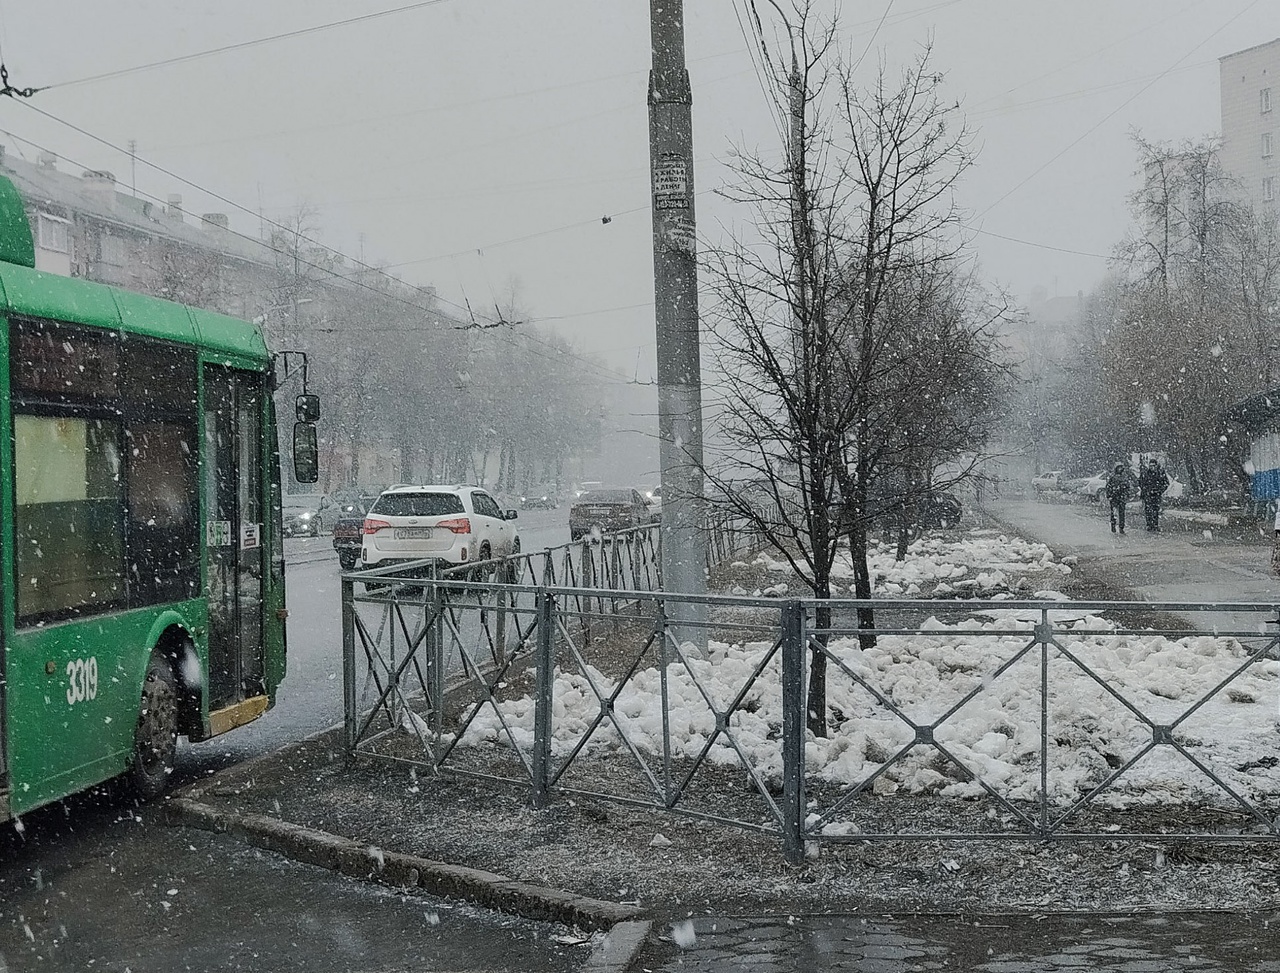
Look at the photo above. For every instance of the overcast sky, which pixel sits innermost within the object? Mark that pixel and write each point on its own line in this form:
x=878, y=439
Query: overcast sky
x=470, y=144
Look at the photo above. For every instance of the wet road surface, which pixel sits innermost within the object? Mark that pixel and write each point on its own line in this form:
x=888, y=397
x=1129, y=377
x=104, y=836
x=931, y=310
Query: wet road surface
x=989, y=944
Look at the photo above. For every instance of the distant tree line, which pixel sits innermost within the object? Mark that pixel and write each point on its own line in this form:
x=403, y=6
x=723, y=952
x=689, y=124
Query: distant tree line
x=429, y=393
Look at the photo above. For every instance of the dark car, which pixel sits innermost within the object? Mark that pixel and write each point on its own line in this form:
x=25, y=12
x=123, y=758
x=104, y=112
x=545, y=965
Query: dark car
x=607, y=511
x=348, y=533
x=348, y=529
x=925, y=511
x=940, y=510
x=540, y=498
x=300, y=514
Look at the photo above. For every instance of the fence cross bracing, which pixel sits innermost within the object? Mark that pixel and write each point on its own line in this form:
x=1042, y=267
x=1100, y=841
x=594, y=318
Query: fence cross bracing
x=965, y=720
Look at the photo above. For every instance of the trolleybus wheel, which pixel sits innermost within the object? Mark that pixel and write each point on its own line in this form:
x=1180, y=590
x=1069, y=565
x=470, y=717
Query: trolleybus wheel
x=155, y=740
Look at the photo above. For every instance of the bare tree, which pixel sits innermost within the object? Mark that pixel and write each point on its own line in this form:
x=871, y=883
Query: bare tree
x=843, y=296
x=1193, y=323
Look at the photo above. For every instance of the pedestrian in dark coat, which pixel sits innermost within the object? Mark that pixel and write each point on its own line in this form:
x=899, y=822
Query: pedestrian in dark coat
x=1119, y=489
x=1151, y=485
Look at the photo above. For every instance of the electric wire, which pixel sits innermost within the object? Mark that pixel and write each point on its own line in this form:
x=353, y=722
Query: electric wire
x=756, y=65
x=1111, y=114
x=559, y=353
x=240, y=45
x=756, y=52
x=874, y=34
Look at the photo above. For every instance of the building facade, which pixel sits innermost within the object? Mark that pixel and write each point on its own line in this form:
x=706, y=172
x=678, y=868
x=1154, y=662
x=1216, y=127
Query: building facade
x=1250, y=91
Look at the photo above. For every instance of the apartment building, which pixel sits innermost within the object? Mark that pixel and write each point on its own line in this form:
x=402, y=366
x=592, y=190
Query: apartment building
x=1250, y=90
x=84, y=227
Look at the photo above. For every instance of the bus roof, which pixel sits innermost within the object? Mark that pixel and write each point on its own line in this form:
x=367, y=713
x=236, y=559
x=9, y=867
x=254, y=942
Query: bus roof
x=27, y=291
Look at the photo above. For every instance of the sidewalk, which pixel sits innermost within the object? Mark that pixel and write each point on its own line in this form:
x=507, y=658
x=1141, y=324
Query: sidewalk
x=383, y=824
x=1182, y=562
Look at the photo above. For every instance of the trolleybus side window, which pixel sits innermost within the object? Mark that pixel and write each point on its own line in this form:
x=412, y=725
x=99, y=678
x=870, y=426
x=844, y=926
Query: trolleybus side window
x=105, y=469
x=69, y=551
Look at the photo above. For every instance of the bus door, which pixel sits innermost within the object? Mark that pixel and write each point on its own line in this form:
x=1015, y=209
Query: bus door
x=234, y=522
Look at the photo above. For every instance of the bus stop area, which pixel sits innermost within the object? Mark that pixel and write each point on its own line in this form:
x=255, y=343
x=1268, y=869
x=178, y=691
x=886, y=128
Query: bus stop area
x=654, y=892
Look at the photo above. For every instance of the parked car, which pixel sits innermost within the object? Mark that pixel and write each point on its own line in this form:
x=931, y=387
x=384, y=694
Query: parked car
x=301, y=514
x=932, y=510
x=1095, y=487
x=939, y=510
x=1047, y=481
x=607, y=511
x=454, y=524
x=654, y=498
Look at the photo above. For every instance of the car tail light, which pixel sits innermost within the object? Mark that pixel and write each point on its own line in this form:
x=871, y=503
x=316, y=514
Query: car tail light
x=459, y=525
x=372, y=526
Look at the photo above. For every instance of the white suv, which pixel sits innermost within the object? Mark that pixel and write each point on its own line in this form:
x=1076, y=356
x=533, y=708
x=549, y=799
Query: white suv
x=455, y=524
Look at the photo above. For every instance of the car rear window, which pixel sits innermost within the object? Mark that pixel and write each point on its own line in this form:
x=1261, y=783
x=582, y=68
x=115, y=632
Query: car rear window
x=605, y=496
x=417, y=504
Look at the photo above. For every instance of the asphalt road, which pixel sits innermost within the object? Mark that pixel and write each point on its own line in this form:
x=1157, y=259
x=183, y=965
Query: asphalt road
x=92, y=883
x=91, y=886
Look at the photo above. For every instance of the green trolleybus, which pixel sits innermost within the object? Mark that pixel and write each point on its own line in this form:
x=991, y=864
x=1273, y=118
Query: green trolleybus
x=141, y=557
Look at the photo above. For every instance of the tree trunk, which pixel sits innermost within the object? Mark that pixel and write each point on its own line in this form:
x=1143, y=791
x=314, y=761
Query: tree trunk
x=816, y=706
x=904, y=540
x=862, y=583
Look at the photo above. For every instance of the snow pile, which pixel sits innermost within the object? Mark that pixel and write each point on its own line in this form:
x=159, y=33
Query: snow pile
x=995, y=734
x=978, y=564
x=969, y=667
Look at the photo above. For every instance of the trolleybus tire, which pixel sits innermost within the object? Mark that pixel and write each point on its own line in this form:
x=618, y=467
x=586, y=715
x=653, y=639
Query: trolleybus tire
x=155, y=739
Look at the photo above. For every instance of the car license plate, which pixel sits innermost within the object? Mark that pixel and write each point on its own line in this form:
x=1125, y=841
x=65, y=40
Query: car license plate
x=412, y=533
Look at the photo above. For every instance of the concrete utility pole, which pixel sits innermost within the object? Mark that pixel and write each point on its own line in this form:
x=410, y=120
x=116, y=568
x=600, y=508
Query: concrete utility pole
x=675, y=291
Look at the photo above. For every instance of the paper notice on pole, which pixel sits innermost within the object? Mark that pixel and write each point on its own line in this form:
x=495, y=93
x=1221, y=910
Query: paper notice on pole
x=680, y=235
x=670, y=182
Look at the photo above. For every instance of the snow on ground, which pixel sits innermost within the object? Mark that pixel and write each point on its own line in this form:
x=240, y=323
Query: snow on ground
x=981, y=563
x=1223, y=712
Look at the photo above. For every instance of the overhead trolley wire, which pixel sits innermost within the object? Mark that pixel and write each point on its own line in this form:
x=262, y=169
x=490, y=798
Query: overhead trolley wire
x=240, y=45
x=560, y=354
x=1111, y=114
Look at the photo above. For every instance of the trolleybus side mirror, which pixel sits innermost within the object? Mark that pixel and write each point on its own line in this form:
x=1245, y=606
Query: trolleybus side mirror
x=307, y=407
x=306, y=453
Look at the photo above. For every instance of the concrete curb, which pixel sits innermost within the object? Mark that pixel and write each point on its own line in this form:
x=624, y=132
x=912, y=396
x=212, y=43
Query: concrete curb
x=409, y=872
x=618, y=950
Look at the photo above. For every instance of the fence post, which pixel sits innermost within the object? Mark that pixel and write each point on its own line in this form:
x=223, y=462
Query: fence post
x=349, y=716
x=435, y=655
x=1044, y=635
x=393, y=687
x=544, y=683
x=664, y=658
x=500, y=610
x=793, y=731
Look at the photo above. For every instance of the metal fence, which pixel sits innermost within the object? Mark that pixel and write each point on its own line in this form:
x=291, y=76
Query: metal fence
x=955, y=720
